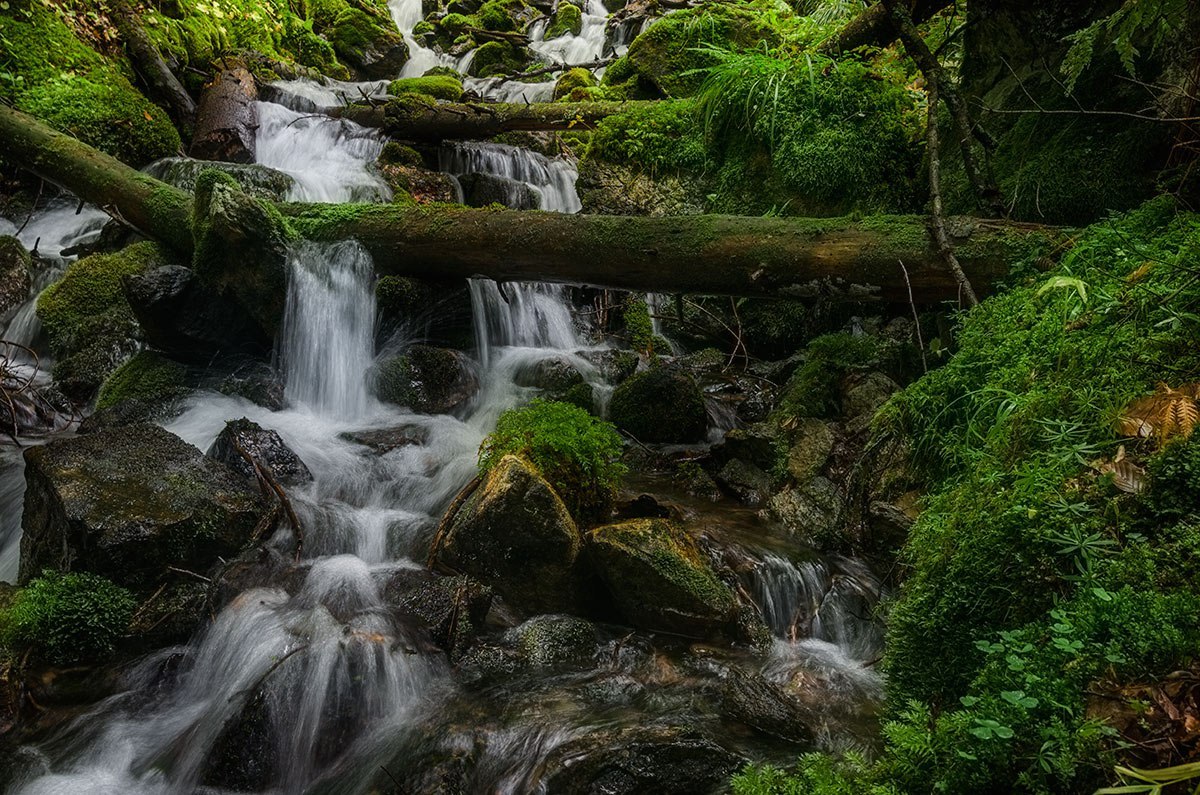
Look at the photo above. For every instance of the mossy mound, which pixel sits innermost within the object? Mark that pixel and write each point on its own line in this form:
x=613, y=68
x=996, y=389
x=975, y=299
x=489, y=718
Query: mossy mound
x=426, y=379
x=574, y=83
x=499, y=58
x=67, y=618
x=567, y=19
x=87, y=320
x=440, y=86
x=368, y=43
x=660, y=405
x=147, y=377
x=660, y=580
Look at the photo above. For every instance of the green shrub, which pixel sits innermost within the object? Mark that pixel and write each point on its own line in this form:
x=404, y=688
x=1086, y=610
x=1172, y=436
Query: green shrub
x=68, y=618
x=576, y=452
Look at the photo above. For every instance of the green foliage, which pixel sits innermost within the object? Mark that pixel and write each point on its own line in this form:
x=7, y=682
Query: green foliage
x=448, y=87
x=1137, y=23
x=664, y=137
x=576, y=452
x=573, y=85
x=812, y=391
x=147, y=376
x=67, y=618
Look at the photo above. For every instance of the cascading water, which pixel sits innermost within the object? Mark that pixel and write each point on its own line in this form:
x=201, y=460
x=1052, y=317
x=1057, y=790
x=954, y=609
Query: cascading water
x=569, y=49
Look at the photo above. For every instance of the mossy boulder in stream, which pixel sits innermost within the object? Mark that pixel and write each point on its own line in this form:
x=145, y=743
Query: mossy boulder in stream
x=660, y=405
x=368, y=43
x=128, y=503
x=426, y=379
x=147, y=377
x=660, y=580
x=567, y=19
x=515, y=534
x=15, y=277
x=499, y=58
x=438, y=86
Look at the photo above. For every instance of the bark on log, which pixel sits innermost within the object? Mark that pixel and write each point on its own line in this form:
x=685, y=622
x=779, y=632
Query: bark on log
x=161, y=82
x=852, y=259
x=419, y=121
x=226, y=121
x=874, y=26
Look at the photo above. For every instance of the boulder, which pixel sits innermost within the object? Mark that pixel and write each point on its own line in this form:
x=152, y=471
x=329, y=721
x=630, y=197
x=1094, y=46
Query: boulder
x=515, y=533
x=812, y=443
x=130, y=502
x=811, y=511
x=659, y=405
x=259, y=181
x=187, y=320
x=750, y=698
x=481, y=190
x=745, y=481
x=862, y=394
x=257, y=382
x=385, y=440
x=660, y=580
x=758, y=445
x=639, y=759
x=546, y=641
x=451, y=609
x=15, y=279
x=550, y=375
x=241, y=438
x=368, y=43
x=426, y=379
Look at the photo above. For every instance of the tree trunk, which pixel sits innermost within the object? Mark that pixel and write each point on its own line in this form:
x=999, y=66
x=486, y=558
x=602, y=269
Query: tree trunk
x=874, y=26
x=162, y=84
x=418, y=121
x=839, y=258
x=226, y=121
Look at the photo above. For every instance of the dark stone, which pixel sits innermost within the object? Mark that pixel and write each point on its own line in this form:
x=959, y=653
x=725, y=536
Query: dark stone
x=745, y=481
x=547, y=641
x=15, y=278
x=426, y=379
x=751, y=699
x=659, y=759
x=243, y=437
x=257, y=382
x=660, y=405
x=550, y=375
x=515, y=534
x=481, y=190
x=257, y=567
x=128, y=503
x=451, y=609
x=387, y=439
x=127, y=412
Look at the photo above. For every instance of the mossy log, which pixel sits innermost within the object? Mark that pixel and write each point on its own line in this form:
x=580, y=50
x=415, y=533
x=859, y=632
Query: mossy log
x=226, y=121
x=159, y=79
x=852, y=259
x=874, y=26
x=419, y=119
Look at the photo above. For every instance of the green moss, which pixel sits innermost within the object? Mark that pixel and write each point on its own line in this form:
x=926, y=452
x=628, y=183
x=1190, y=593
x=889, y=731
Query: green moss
x=660, y=405
x=573, y=84
x=446, y=87
x=501, y=15
x=638, y=325
x=567, y=19
x=577, y=453
x=663, y=136
x=812, y=391
x=67, y=618
x=147, y=377
x=499, y=58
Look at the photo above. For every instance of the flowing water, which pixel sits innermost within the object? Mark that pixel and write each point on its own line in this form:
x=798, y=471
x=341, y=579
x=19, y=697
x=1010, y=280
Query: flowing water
x=330, y=678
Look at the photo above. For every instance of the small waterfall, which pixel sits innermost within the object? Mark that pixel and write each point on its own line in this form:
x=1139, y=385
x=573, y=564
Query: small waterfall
x=331, y=160
x=551, y=179
x=406, y=14
x=327, y=342
x=570, y=49
x=309, y=96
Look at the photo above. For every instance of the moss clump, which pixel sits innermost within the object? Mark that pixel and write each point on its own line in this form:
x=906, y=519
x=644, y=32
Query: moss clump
x=660, y=405
x=664, y=136
x=67, y=618
x=88, y=322
x=499, y=58
x=501, y=15
x=812, y=391
x=448, y=87
x=567, y=19
x=110, y=116
x=147, y=377
x=368, y=42
x=577, y=453
x=638, y=325
x=573, y=84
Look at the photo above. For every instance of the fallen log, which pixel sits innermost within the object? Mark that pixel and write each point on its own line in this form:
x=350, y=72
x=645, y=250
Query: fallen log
x=226, y=120
x=161, y=82
x=414, y=119
x=838, y=258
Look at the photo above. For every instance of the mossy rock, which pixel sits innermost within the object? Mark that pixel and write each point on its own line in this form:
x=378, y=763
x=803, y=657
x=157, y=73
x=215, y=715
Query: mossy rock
x=254, y=180
x=660, y=580
x=547, y=641
x=146, y=377
x=87, y=320
x=129, y=503
x=499, y=58
x=15, y=274
x=515, y=534
x=573, y=80
x=440, y=86
x=110, y=116
x=567, y=19
x=660, y=405
x=503, y=15
x=368, y=43
x=426, y=379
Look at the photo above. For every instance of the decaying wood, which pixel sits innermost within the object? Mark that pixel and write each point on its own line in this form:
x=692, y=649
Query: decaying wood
x=226, y=120
x=875, y=26
x=161, y=82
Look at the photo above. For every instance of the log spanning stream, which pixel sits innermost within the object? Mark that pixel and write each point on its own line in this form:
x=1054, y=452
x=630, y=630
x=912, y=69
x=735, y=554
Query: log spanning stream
x=339, y=694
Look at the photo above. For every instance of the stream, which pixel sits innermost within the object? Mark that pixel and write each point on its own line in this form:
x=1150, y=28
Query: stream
x=329, y=689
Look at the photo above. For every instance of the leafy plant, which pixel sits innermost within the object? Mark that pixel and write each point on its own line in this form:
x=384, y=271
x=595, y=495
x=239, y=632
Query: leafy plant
x=576, y=452
x=67, y=618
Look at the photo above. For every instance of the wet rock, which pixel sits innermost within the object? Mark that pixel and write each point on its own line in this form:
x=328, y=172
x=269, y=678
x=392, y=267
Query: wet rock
x=258, y=567
x=258, y=383
x=127, y=412
x=658, y=759
x=451, y=609
x=550, y=375
x=184, y=319
x=515, y=534
x=425, y=379
x=368, y=43
x=758, y=445
x=811, y=510
x=245, y=758
x=386, y=440
x=646, y=506
x=614, y=365
x=745, y=481
x=552, y=640
x=659, y=405
x=242, y=438
x=696, y=481
x=812, y=442
x=487, y=663
x=749, y=698
x=862, y=394
x=128, y=503
x=424, y=185
x=15, y=278
x=481, y=190
x=618, y=189
x=660, y=580
x=259, y=181
x=171, y=616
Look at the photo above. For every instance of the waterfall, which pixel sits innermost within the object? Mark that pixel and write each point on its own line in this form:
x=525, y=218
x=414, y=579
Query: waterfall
x=570, y=49
x=327, y=342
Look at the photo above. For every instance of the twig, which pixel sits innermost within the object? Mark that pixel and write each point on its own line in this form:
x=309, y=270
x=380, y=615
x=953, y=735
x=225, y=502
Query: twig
x=266, y=674
x=189, y=573
x=937, y=220
x=33, y=209
x=448, y=517
x=916, y=319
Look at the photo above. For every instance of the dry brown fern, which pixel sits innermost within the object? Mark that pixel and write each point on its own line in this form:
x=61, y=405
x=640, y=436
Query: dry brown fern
x=1164, y=415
